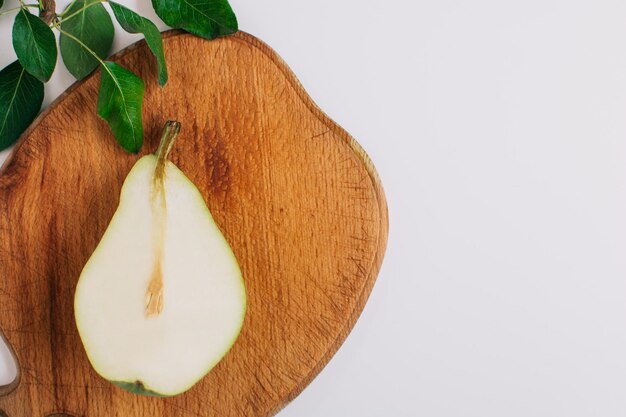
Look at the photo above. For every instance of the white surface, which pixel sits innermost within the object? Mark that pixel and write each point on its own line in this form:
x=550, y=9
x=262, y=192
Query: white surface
x=499, y=131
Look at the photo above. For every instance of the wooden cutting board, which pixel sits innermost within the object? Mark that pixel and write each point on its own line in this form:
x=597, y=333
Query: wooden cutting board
x=296, y=197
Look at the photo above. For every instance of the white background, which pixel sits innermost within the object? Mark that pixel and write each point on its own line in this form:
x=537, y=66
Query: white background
x=499, y=130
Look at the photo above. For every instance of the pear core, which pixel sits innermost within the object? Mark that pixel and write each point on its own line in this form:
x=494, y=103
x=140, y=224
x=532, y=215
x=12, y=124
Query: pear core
x=162, y=299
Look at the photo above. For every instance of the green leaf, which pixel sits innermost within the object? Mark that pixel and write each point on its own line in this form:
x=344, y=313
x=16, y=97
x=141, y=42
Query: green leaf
x=119, y=103
x=1, y=3
x=206, y=18
x=21, y=96
x=131, y=22
x=35, y=45
x=93, y=26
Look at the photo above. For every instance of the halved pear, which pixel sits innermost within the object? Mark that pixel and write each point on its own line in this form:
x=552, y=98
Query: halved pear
x=162, y=299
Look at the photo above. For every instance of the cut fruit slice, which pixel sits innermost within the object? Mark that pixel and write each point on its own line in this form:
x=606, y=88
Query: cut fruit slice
x=162, y=299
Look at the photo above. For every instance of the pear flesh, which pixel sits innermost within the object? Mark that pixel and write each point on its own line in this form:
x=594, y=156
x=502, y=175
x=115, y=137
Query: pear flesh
x=162, y=299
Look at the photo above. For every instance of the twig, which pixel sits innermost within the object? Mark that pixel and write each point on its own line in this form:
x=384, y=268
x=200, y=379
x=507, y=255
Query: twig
x=47, y=12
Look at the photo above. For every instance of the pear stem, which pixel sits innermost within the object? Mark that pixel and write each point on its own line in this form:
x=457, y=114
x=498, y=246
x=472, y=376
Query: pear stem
x=154, y=292
x=168, y=137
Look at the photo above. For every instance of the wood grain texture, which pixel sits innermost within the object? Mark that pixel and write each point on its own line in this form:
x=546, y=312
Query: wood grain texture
x=297, y=198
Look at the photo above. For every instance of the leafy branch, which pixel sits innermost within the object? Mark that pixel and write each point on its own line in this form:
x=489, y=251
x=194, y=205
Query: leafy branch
x=86, y=36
